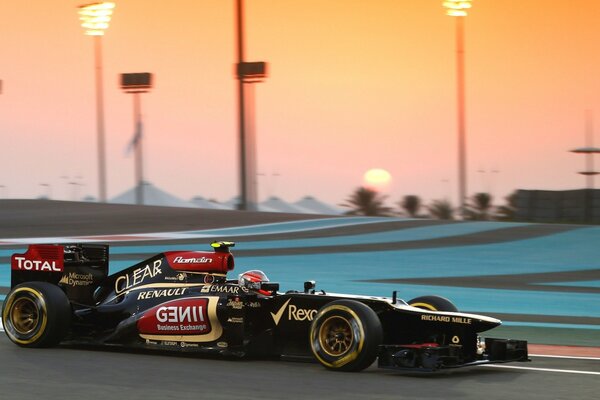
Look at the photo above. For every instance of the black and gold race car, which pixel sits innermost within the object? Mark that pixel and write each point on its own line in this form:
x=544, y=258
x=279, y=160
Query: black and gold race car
x=183, y=301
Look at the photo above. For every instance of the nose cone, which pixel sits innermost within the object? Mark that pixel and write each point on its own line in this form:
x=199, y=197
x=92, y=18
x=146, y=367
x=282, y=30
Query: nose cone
x=481, y=323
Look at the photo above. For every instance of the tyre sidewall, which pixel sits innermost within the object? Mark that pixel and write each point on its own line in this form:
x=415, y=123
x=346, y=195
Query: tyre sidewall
x=366, y=335
x=433, y=303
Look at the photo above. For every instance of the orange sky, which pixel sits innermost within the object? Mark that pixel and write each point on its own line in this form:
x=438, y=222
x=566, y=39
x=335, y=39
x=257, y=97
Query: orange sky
x=353, y=85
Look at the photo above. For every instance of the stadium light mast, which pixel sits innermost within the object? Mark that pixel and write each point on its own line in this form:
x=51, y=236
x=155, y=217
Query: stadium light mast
x=247, y=74
x=137, y=83
x=95, y=19
x=458, y=9
x=589, y=150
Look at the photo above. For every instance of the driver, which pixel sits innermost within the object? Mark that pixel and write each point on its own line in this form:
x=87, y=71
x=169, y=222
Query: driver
x=252, y=279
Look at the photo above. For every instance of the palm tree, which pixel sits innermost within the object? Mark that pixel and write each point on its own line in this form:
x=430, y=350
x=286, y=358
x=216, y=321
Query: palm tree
x=366, y=202
x=441, y=209
x=411, y=204
x=508, y=212
x=480, y=208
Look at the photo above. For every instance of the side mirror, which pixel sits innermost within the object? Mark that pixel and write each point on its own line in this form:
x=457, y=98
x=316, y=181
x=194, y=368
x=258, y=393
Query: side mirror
x=309, y=285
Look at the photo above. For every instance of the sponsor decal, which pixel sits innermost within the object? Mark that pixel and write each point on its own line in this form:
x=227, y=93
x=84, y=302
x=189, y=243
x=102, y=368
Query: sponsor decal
x=180, y=314
x=190, y=320
x=277, y=315
x=154, y=294
x=148, y=341
x=235, y=320
x=139, y=275
x=294, y=313
x=235, y=303
x=209, y=278
x=39, y=258
x=253, y=304
x=223, y=345
x=446, y=319
x=455, y=339
x=186, y=316
x=182, y=276
x=201, y=260
x=230, y=289
x=300, y=314
x=169, y=343
x=185, y=344
x=23, y=264
x=74, y=279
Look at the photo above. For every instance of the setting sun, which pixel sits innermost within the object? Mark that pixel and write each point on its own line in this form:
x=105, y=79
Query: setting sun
x=377, y=179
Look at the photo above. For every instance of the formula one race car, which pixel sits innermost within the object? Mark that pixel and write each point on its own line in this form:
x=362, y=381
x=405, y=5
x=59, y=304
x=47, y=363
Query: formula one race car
x=183, y=301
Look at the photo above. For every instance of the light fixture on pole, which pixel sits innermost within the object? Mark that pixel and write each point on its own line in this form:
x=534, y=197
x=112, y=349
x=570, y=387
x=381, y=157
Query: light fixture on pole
x=458, y=9
x=247, y=74
x=589, y=150
x=135, y=84
x=95, y=18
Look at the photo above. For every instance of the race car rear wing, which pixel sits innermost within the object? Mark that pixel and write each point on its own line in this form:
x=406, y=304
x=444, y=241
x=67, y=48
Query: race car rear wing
x=77, y=268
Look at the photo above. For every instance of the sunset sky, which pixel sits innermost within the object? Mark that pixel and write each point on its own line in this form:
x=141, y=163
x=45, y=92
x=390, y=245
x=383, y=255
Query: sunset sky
x=353, y=85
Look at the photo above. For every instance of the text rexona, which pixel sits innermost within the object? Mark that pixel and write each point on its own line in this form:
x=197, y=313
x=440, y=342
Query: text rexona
x=293, y=313
x=37, y=265
x=300, y=314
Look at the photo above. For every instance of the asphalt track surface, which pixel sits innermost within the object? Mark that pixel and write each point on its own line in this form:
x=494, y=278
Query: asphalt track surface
x=75, y=373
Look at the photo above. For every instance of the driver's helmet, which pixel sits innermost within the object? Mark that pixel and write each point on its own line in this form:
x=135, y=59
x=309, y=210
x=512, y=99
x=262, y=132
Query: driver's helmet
x=252, y=279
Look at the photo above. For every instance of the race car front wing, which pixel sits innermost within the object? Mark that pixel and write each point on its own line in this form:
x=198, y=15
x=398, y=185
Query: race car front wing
x=430, y=357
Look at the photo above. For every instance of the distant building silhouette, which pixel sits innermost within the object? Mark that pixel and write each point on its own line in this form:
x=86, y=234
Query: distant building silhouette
x=569, y=206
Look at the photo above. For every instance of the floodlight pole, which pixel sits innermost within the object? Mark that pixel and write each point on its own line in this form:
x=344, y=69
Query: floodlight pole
x=460, y=85
x=137, y=83
x=589, y=150
x=243, y=202
x=139, y=161
x=95, y=19
x=247, y=73
x=100, y=120
x=458, y=10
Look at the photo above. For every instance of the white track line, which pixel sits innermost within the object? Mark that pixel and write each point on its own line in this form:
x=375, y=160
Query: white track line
x=568, y=357
x=564, y=371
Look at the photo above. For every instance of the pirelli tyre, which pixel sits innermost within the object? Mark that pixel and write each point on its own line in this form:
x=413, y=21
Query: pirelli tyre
x=36, y=314
x=433, y=303
x=345, y=335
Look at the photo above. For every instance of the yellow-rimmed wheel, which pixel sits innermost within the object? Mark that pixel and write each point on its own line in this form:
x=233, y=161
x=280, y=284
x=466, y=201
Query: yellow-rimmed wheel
x=36, y=314
x=345, y=335
x=26, y=315
x=335, y=336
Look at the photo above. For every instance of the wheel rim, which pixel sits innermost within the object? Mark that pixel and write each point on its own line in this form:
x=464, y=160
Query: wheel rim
x=24, y=315
x=335, y=336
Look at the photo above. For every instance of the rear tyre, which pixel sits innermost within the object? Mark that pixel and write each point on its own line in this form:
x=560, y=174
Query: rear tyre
x=345, y=336
x=36, y=314
x=433, y=303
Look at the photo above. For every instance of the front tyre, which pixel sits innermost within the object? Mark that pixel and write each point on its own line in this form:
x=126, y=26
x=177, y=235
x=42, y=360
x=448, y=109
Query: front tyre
x=433, y=303
x=345, y=335
x=36, y=314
